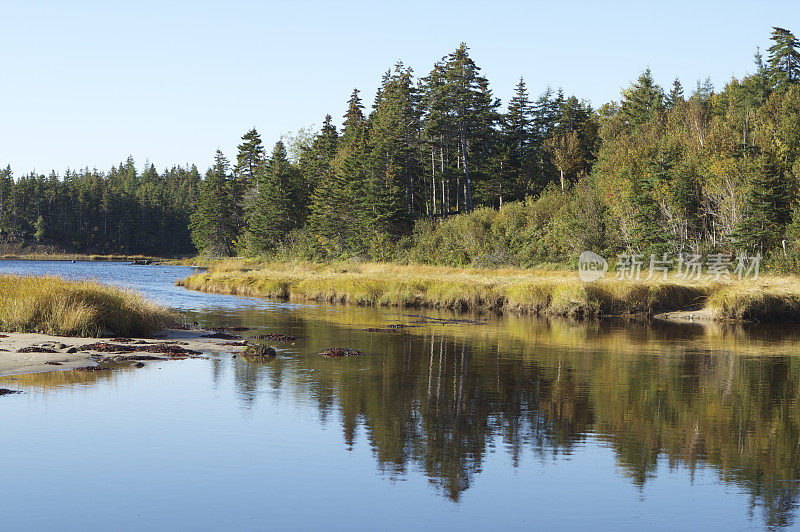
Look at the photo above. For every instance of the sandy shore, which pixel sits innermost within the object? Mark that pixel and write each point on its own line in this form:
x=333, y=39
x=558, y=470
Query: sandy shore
x=34, y=353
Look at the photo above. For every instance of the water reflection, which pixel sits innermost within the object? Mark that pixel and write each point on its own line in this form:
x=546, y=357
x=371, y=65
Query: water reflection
x=438, y=398
x=441, y=399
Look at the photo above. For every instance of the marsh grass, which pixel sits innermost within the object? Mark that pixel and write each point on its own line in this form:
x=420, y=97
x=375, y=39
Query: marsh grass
x=539, y=292
x=53, y=305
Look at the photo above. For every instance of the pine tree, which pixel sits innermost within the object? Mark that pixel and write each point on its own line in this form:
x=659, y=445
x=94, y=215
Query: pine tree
x=213, y=225
x=461, y=113
x=394, y=142
x=648, y=231
x=784, y=58
x=761, y=81
x=518, y=141
x=546, y=114
x=686, y=198
x=41, y=228
x=703, y=91
x=354, y=117
x=273, y=213
x=675, y=95
x=247, y=174
x=767, y=206
x=642, y=101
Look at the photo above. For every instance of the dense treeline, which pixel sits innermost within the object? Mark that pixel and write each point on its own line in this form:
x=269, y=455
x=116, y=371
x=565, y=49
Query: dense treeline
x=122, y=211
x=437, y=172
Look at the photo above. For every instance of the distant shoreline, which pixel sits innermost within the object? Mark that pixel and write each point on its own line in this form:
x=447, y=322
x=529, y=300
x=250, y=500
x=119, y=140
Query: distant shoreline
x=81, y=257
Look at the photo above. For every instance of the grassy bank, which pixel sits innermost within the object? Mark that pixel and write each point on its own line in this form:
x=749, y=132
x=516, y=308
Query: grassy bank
x=537, y=292
x=53, y=305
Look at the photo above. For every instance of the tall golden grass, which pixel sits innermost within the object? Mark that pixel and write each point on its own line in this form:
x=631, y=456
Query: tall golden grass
x=539, y=292
x=53, y=305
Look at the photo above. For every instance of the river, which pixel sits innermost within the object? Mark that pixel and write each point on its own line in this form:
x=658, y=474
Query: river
x=451, y=422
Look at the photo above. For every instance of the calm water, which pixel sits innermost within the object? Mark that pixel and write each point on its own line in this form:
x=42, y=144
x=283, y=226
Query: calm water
x=496, y=422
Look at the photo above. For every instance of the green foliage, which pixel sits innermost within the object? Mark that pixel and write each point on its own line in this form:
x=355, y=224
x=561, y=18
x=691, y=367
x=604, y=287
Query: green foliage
x=40, y=228
x=768, y=207
x=554, y=228
x=213, y=223
x=784, y=58
x=274, y=212
x=87, y=211
x=436, y=172
x=642, y=101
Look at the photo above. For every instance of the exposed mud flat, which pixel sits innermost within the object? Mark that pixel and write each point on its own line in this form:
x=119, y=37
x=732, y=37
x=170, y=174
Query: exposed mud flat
x=35, y=353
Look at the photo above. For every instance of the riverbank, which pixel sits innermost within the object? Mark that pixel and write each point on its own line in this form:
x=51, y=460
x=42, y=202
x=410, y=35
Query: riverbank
x=507, y=290
x=56, y=306
x=22, y=353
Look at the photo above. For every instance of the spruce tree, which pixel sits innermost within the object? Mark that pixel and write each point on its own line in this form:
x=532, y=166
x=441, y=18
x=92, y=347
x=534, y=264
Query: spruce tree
x=246, y=176
x=395, y=168
x=518, y=140
x=461, y=113
x=273, y=213
x=675, y=95
x=784, y=58
x=767, y=207
x=213, y=226
x=642, y=101
x=250, y=159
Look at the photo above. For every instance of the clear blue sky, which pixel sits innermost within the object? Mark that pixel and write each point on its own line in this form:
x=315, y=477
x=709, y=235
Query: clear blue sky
x=89, y=83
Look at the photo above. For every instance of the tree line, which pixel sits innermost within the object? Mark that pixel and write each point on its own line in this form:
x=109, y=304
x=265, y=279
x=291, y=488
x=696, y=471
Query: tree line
x=119, y=211
x=437, y=171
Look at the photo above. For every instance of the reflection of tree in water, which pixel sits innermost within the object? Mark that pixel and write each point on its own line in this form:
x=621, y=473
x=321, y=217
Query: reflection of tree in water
x=439, y=402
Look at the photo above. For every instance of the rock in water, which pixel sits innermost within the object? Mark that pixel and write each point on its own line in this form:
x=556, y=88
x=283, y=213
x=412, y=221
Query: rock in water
x=258, y=352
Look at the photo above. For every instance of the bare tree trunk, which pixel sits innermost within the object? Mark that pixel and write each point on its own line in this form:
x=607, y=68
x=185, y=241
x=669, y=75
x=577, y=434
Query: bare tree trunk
x=467, y=181
x=433, y=184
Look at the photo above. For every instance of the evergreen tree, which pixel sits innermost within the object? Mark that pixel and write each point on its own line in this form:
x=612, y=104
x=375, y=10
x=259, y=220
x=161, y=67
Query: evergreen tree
x=249, y=160
x=518, y=140
x=768, y=207
x=759, y=83
x=41, y=229
x=354, y=117
x=213, y=223
x=784, y=58
x=461, y=113
x=642, y=101
x=648, y=230
x=394, y=157
x=246, y=176
x=273, y=214
x=686, y=198
x=675, y=95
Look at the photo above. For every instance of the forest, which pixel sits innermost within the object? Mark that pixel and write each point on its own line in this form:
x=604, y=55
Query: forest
x=438, y=171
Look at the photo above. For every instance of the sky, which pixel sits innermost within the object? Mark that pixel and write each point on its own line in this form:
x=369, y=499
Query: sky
x=86, y=84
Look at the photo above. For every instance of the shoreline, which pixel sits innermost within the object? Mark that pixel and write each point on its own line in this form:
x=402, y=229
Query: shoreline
x=95, y=257
x=769, y=299
x=63, y=353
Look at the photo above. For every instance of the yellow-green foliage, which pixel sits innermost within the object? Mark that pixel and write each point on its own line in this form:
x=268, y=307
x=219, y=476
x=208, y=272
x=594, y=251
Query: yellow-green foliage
x=54, y=305
x=516, y=290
